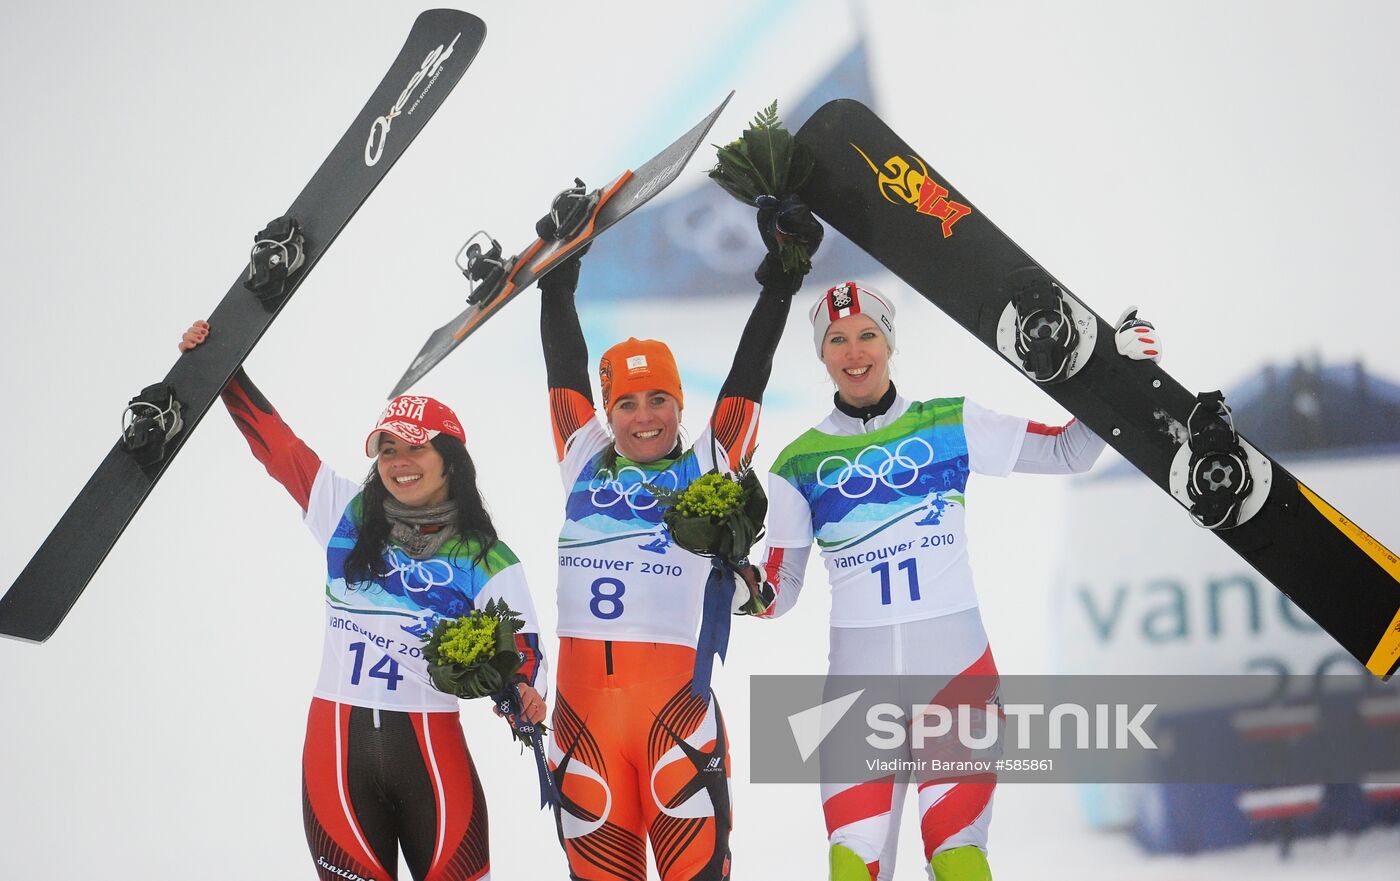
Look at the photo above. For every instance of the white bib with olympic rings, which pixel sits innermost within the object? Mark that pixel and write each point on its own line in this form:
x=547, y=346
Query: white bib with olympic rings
x=887, y=507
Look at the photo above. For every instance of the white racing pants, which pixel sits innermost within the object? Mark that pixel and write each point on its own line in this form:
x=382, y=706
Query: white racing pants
x=948, y=656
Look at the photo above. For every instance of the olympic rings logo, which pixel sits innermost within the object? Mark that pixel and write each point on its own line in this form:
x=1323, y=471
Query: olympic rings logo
x=868, y=472
x=628, y=485
x=418, y=576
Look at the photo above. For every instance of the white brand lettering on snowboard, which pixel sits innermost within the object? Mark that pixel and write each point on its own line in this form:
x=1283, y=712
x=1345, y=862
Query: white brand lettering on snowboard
x=660, y=179
x=428, y=70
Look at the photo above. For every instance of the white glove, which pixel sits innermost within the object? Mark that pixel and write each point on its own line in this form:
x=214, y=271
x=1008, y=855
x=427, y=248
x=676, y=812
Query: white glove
x=742, y=595
x=745, y=602
x=1137, y=339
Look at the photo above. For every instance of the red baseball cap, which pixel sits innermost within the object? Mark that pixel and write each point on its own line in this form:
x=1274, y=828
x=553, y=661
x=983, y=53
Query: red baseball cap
x=414, y=419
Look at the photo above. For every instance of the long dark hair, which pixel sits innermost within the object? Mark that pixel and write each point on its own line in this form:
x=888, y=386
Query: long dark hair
x=366, y=559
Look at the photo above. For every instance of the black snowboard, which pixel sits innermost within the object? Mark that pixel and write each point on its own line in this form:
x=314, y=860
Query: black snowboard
x=625, y=194
x=439, y=49
x=877, y=191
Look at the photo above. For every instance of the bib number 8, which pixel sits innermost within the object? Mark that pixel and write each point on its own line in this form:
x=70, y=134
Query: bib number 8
x=607, y=605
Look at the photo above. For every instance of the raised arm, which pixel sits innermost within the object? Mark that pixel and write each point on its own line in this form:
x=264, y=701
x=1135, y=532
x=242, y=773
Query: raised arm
x=565, y=355
x=734, y=425
x=285, y=456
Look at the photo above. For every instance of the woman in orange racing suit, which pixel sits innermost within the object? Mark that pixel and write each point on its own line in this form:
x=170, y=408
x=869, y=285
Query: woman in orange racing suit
x=636, y=754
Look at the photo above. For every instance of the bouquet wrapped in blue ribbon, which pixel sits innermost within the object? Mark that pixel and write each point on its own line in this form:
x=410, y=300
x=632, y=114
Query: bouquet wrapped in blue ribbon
x=475, y=656
x=721, y=517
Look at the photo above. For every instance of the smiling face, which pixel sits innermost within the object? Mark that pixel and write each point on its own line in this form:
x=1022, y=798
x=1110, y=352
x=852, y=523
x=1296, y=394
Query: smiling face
x=645, y=424
x=415, y=476
x=857, y=357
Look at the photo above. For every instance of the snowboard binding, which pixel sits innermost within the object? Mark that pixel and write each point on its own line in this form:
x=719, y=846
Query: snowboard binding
x=1218, y=473
x=279, y=251
x=568, y=213
x=481, y=262
x=1046, y=337
x=151, y=420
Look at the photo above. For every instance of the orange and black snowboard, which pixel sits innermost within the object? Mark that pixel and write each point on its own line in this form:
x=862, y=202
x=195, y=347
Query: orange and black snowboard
x=625, y=194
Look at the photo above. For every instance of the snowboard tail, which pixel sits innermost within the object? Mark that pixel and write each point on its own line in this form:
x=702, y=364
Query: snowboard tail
x=872, y=187
x=628, y=192
x=439, y=48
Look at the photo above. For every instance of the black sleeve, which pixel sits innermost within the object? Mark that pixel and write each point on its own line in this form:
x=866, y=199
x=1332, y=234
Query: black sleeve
x=753, y=360
x=565, y=351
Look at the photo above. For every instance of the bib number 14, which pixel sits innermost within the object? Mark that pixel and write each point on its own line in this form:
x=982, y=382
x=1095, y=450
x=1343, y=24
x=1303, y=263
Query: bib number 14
x=385, y=668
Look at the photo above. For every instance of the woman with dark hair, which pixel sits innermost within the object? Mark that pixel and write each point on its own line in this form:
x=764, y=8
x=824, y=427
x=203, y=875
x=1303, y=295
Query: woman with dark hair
x=385, y=765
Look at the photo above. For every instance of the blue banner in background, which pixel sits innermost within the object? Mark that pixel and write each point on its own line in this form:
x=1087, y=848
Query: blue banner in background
x=705, y=242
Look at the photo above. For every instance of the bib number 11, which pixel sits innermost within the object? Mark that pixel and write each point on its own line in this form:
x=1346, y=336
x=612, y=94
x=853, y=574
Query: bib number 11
x=911, y=569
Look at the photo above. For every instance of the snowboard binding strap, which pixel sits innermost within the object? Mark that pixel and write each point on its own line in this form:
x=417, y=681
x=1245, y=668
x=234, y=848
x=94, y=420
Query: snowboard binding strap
x=1045, y=333
x=568, y=213
x=150, y=421
x=1218, y=479
x=279, y=251
x=483, y=267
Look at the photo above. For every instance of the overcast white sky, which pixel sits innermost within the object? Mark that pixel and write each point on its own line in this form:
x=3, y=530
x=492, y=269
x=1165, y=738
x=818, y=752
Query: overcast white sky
x=1229, y=166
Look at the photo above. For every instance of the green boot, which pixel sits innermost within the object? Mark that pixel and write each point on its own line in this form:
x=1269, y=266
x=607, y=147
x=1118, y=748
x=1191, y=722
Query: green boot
x=846, y=865
x=958, y=864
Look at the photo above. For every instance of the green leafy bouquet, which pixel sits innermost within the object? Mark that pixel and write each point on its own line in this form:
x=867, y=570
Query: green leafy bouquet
x=716, y=515
x=720, y=517
x=766, y=163
x=475, y=656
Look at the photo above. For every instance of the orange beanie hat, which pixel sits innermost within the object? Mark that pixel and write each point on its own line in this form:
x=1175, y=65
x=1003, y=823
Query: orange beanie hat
x=635, y=365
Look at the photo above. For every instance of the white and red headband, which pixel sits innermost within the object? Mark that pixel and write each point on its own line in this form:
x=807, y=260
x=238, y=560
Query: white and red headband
x=851, y=298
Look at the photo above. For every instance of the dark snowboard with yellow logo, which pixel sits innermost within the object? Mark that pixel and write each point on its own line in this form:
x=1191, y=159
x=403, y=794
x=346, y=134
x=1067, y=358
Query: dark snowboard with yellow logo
x=882, y=195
